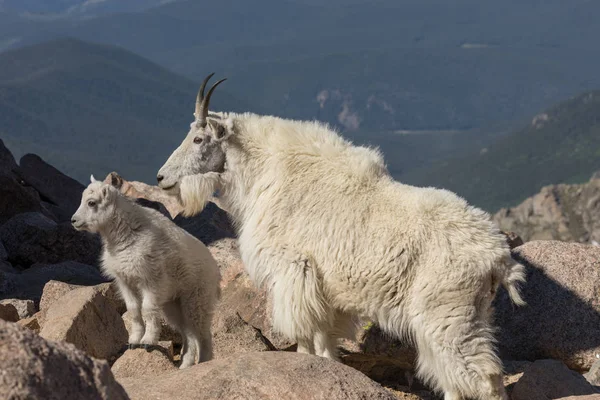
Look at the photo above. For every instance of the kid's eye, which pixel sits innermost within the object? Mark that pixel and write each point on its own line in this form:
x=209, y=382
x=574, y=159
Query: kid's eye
x=197, y=140
x=91, y=203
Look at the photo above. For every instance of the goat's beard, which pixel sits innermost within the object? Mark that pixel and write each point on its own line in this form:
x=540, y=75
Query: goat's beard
x=195, y=191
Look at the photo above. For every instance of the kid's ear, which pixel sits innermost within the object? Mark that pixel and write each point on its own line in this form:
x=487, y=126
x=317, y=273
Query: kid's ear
x=220, y=130
x=105, y=191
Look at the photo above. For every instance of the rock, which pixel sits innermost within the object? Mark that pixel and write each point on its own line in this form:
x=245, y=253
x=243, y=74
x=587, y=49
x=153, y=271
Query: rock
x=54, y=290
x=86, y=318
x=562, y=316
x=233, y=335
x=9, y=313
x=167, y=334
x=593, y=375
x=25, y=308
x=52, y=185
x=142, y=190
x=31, y=323
x=210, y=225
x=33, y=368
x=16, y=198
x=587, y=397
x=558, y=212
x=33, y=238
x=142, y=363
x=240, y=296
x=253, y=376
x=513, y=239
x=3, y=253
x=550, y=379
x=30, y=283
x=381, y=357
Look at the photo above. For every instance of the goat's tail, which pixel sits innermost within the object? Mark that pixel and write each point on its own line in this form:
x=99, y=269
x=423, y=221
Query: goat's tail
x=511, y=275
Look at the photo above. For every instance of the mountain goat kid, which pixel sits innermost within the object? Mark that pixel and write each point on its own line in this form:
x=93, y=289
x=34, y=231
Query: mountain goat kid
x=159, y=269
x=325, y=226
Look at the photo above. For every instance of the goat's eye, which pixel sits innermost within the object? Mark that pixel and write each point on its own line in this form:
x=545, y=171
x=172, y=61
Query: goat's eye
x=197, y=140
x=91, y=203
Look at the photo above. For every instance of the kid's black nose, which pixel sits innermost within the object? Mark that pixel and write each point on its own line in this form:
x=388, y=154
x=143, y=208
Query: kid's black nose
x=159, y=178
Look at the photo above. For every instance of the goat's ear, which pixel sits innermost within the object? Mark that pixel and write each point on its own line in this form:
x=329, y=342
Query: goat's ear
x=105, y=189
x=220, y=130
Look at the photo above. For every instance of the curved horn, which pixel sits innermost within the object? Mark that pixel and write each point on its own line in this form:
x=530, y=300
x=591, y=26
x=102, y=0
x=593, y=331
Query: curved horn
x=200, y=96
x=203, y=112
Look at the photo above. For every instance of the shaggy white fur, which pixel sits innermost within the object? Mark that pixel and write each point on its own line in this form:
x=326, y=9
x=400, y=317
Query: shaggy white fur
x=160, y=269
x=323, y=224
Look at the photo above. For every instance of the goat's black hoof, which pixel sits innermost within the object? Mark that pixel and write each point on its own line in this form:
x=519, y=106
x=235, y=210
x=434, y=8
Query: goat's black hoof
x=147, y=347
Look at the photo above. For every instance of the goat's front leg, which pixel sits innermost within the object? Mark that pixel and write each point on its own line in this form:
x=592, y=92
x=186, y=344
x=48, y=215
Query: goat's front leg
x=151, y=311
x=134, y=307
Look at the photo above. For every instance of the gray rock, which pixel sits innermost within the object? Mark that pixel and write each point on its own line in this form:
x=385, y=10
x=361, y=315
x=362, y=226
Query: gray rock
x=31, y=238
x=550, y=379
x=593, y=375
x=30, y=283
x=562, y=317
x=86, y=318
x=52, y=185
x=253, y=376
x=139, y=362
x=16, y=198
x=33, y=368
x=210, y=225
x=558, y=212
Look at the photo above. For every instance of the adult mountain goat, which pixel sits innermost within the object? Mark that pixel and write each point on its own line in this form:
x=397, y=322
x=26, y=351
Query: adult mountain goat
x=160, y=269
x=324, y=225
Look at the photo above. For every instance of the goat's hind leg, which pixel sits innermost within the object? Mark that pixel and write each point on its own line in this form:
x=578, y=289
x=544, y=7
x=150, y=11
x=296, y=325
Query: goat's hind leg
x=174, y=317
x=197, y=312
x=300, y=309
x=457, y=353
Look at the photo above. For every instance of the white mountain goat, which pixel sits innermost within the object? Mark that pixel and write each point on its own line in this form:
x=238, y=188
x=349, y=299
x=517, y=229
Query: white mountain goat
x=324, y=225
x=159, y=268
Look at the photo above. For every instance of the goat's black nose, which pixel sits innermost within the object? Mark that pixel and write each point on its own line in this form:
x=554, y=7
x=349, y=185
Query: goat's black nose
x=159, y=178
x=73, y=220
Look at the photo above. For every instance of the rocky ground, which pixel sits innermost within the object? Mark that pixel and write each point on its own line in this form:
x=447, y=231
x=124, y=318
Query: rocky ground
x=64, y=329
x=559, y=212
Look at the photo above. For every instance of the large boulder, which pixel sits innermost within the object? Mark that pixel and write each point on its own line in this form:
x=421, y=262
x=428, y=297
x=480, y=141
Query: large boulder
x=16, y=198
x=562, y=317
x=86, y=318
x=210, y=225
x=53, y=186
x=31, y=238
x=141, y=362
x=54, y=290
x=550, y=379
x=232, y=335
x=30, y=283
x=240, y=296
x=593, y=375
x=253, y=376
x=557, y=212
x=33, y=368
